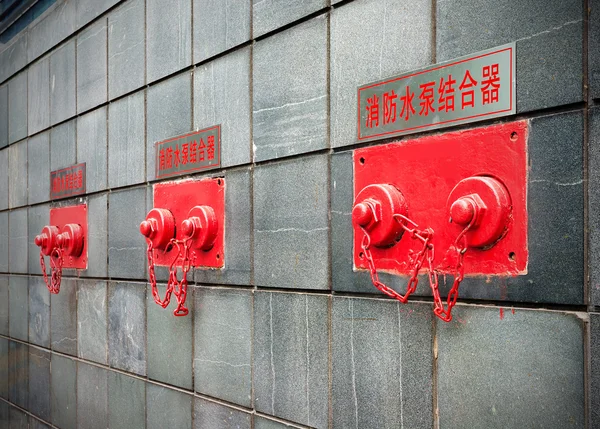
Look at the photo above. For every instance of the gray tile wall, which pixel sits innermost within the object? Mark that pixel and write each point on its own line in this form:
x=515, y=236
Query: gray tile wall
x=267, y=343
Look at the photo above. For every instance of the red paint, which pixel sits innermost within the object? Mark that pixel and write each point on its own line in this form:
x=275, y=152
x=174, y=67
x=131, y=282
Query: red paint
x=72, y=224
x=501, y=313
x=427, y=169
x=512, y=310
x=179, y=198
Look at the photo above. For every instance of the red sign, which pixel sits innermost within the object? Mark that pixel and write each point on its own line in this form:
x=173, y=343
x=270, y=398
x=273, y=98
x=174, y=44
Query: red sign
x=67, y=182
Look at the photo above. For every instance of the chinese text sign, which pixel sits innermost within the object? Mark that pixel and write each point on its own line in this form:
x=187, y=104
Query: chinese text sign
x=67, y=182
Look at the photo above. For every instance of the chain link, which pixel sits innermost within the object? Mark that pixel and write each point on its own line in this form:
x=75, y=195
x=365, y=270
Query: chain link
x=416, y=260
x=56, y=265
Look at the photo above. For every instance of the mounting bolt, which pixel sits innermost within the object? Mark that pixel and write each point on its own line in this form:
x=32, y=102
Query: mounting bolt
x=462, y=211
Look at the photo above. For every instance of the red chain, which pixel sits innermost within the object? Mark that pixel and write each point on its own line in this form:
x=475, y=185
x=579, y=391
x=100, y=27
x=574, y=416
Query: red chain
x=181, y=291
x=416, y=260
x=56, y=265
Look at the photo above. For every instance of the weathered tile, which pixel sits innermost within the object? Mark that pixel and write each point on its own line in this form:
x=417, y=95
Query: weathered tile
x=4, y=374
x=169, y=114
x=91, y=66
x=382, y=363
x=18, y=374
x=126, y=401
x=39, y=383
x=594, y=374
x=222, y=96
x=269, y=15
x=39, y=312
x=4, y=179
x=126, y=48
x=13, y=56
x=92, y=397
x=290, y=91
x=18, y=419
x=223, y=344
x=359, y=57
x=291, y=340
x=517, y=360
x=167, y=408
x=17, y=174
x=63, y=145
x=37, y=218
x=3, y=116
x=17, y=108
x=63, y=392
x=127, y=326
x=126, y=246
x=92, y=325
x=4, y=414
x=38, y=168
x=166, y=362
x=219, y=26
x=63, y=318
x=4, y=305
x=38, y=95
x=18, y=307
x=92, y=148
x=593, y=49
x=88, y=10
x=238, y=230
x=343, y=277
x=17, y=241
x=36, y=424
x=97, y=236
x=126, y=141
x=58, y=23
x=549, y=43
x=62, y=83
x=594, y=204
x=291, y=248
x=4, y=242
x=168, y=37
x=264, y=423
x=211, y=415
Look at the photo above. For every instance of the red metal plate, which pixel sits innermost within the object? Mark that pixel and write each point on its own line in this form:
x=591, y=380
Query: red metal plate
x=426, y=170
x=179, y=197
x=61, y=216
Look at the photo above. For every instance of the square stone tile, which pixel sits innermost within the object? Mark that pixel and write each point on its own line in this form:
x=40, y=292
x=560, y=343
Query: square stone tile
x=97, y=236
x=127, y=141
x=168, y=362
x=18, y=374
x=223, y=344
x=516, y=361
x=269, y=15
x=382, y=363
x=17, y=241
x=594, y=204
x=290, y=91
x=39, y=312
x=126, y=246
x=593, y=50
x=62, y=82
x=127, y=326
x=17, y=108
x=4, y=242
x=403, y=41
x=238, y=230
x=63, y=392
x=13, y=56
x=92, y=148
x=4, y=413
x=4, y=180
x=291, y=248
x=594, y=374
x=219, y=26
x=18, y=307
x=38, y=95
x=169, y=114
x=264, y=423
x=38, y=168
x=126, y=48
x=126, y=401
x=17, y=174
x=63, y=318
x=88, y=10
x=291, y=343
x=211, y=415
x=92, y=66
x=36, y=424
x=92, y=325
x=92, y=397
x=39, y=383
x=4, y=305
x=4, y=358
x=167, y=408
x=63, y=144
x=3, y=116
x=222, y=96
x=168, y=37
x=37, y=218
x=59, y=23
x=18, y=419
